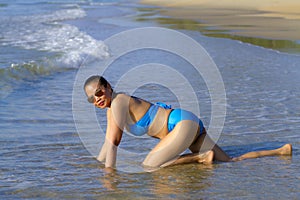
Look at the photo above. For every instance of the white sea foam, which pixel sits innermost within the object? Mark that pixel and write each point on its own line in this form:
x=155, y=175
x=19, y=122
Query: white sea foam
x=48, y=33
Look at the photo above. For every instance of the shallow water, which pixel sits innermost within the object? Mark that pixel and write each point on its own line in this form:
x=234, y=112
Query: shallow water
x=42, y=156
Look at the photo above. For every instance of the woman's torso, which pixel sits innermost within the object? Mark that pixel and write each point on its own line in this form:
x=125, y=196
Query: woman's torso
x=138, y=108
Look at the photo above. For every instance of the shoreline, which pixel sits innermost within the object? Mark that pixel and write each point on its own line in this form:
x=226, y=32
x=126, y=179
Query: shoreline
x=276, y=23
x=281, y=8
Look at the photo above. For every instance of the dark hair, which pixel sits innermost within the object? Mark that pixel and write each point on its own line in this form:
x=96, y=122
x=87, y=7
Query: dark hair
x=96, y=78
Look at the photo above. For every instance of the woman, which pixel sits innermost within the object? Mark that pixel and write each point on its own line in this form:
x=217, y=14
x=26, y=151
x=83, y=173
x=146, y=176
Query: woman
x=177, y=129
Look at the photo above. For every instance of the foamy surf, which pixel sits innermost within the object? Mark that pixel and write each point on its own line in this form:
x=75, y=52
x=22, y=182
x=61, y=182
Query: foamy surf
x=49, y=33
x=46, y=33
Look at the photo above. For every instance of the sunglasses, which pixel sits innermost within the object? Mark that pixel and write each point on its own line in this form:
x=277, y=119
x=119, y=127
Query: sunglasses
x=98, y=93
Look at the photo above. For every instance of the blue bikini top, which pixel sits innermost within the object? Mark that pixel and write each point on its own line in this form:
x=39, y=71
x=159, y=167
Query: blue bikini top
x=141, y=127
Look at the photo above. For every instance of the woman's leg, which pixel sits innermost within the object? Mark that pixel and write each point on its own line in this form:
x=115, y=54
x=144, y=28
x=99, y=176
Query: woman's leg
x=284, y=150
x=205, y=143
x=167, y=151
x=204, y=158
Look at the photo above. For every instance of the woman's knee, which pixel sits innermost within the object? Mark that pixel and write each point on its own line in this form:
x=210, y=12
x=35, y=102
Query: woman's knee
x=155, y=160
x=170, y=147
x=198, y=141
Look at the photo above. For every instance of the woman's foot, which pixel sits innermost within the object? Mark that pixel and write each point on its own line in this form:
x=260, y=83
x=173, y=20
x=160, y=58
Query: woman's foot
x=282, y=151
x=206, y=158
x=286, y=149
x=235, y=159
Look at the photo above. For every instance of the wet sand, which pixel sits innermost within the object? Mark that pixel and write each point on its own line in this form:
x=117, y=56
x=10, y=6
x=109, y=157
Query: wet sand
x=277, y=20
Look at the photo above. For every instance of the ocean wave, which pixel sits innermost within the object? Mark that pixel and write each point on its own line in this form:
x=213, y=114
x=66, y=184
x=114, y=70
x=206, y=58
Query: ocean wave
x=48, y=34
x=17, y=74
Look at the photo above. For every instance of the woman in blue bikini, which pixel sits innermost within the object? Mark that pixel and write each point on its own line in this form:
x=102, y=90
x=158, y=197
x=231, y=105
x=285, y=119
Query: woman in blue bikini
x=177, y=129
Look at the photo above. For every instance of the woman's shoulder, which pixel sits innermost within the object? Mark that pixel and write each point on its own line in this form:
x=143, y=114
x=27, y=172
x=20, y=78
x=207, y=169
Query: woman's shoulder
x=119, y=98
x=119, y=104
x=122, y=96
x=122, y=99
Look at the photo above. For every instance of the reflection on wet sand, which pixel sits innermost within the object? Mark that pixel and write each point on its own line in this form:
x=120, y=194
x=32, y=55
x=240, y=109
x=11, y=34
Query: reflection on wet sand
x=179, y=180
x=175, y=181
x=257, y=29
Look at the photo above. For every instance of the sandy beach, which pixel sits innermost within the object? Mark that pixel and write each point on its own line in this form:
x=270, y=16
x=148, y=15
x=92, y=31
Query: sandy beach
x=279, y=20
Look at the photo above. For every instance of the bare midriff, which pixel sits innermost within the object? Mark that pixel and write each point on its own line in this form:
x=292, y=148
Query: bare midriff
x=159, y=126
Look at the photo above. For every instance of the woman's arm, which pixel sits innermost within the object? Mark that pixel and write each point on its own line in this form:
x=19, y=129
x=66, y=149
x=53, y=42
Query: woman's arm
x=116, y=117
x=111, y=149
x=102, y=155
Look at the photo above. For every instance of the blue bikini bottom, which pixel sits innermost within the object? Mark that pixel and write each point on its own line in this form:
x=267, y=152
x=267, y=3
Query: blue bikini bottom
x=177, y=115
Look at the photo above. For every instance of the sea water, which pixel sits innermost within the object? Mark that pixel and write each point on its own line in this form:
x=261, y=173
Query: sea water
x=42, y=46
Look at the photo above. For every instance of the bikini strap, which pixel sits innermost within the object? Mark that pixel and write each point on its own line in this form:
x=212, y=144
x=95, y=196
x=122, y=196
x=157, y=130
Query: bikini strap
x=163, y=105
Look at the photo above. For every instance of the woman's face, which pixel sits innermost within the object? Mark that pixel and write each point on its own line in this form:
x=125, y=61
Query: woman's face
x=98, y=95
